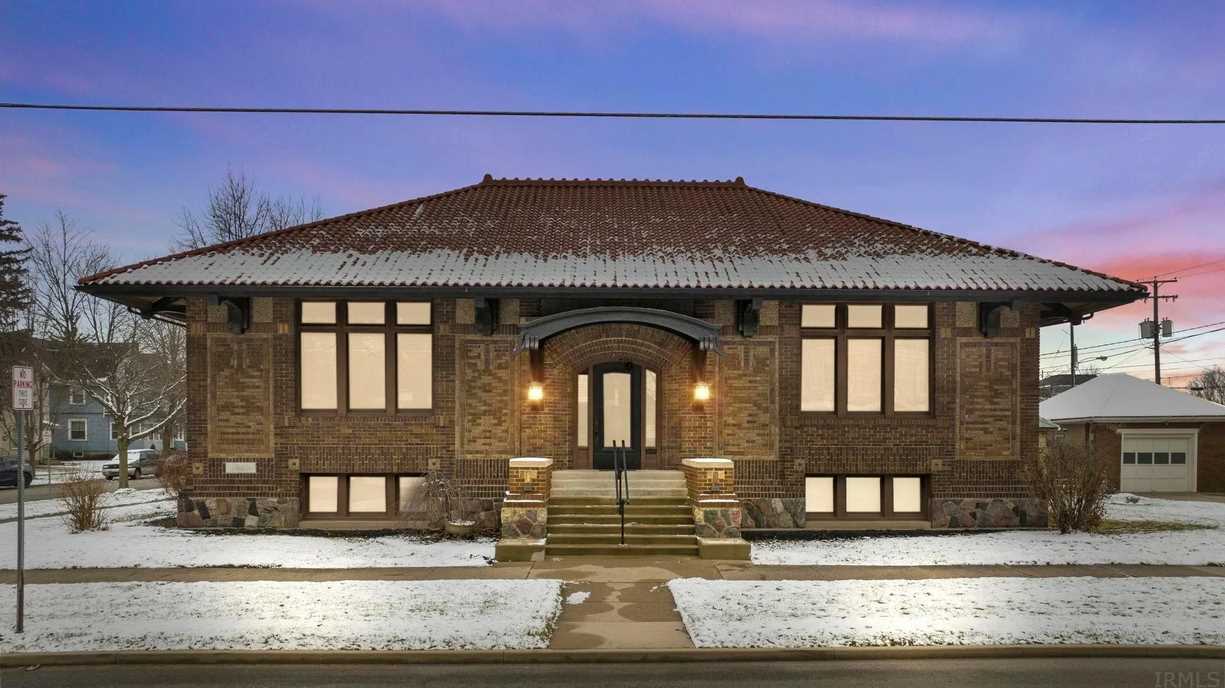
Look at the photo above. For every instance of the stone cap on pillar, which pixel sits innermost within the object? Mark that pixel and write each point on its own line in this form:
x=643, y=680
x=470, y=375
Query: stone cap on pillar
x=530, y=462
x=707, y=463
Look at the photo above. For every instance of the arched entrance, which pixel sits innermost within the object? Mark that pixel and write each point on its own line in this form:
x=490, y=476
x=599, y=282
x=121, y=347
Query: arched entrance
x=604, y=383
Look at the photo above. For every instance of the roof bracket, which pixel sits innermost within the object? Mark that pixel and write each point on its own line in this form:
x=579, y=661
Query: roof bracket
x=748, y=316
x=486, y=315
x=989, y=314
x=237, y=311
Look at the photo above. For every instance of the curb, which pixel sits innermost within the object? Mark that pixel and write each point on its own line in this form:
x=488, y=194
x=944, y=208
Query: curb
x=601, y=656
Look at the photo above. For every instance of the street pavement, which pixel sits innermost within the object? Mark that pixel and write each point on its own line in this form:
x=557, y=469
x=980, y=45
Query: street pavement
x=927, y=673
x=8, y=495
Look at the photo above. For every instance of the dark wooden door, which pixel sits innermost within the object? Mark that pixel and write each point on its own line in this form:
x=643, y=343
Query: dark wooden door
x=616, y=397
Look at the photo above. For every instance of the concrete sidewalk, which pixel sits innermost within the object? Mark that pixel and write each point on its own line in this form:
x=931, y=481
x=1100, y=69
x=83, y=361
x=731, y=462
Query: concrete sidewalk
x=609, y=570
x=612, y=603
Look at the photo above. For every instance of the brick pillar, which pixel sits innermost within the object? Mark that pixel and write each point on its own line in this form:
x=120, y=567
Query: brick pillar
x=526, y=504
x=712, y=494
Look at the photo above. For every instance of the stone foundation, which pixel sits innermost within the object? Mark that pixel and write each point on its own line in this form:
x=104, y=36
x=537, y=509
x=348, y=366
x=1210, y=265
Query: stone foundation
x=712, y=521
x=237, y=512
x=773, y=512
x=526, y=521
x=987, y=513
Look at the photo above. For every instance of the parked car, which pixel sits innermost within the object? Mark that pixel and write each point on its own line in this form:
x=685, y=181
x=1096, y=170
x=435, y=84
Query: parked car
x=8, y=472
x=141, y=462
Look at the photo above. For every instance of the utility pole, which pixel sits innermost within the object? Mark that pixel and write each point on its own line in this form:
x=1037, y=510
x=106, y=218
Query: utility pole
x=1072, y=336
x=1157, y=326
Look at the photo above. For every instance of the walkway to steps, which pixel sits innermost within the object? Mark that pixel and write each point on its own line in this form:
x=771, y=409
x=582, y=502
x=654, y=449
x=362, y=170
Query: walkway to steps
x=583, y=518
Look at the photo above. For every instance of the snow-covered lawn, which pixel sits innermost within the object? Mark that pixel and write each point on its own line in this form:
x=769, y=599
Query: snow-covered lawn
x=1188, y=547
x=131, y=542
x=51, y=507
x=266, y=615
x=965, y=611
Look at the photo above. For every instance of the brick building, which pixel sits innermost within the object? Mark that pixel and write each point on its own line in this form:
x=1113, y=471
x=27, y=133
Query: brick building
x=1156, y=439
x=850, y=367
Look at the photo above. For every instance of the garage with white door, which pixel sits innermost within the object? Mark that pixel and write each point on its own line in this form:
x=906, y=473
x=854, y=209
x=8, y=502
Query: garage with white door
x=1157, y=462
x=1161, y=439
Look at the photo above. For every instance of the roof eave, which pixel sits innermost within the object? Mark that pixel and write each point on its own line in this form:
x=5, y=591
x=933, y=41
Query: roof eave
x=1140, y=419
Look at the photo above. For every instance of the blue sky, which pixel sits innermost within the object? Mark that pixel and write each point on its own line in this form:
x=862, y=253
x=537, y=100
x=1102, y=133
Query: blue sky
x=1131, y=201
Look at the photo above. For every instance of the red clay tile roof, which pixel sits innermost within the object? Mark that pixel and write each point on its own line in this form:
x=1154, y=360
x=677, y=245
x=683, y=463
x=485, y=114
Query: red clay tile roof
x=596, y=233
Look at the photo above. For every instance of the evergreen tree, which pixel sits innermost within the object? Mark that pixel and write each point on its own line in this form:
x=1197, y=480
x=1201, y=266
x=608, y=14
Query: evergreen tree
x=14, y=283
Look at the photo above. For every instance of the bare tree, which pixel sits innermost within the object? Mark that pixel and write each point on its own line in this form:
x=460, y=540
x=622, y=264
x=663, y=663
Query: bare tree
x=236, y=210
x=1210, y=385
x=166, y=345
x=133, y=387
x=61, y=254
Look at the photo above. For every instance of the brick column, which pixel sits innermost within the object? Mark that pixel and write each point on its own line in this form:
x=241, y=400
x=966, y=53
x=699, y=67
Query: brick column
x=526, y=504
x=712, y=494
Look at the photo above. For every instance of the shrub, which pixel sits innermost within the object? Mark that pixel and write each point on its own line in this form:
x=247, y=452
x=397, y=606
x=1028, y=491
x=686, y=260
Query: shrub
x=174, y=473
x=442, y=501
x=82, y=497
x=1072, y=484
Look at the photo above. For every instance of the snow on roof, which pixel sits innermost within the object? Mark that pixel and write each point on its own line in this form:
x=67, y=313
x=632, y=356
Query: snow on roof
x=1119, y=396
x=634, y=234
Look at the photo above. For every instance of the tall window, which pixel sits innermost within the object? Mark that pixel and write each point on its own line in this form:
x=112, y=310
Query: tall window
x=583, y=410
x=365, y=356
x=651, y=382
x=865, y=358
x=78, y=429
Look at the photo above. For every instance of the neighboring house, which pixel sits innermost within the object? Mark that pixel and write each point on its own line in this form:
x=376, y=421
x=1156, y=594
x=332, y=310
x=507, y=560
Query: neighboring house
x=1047, y=432
x=1051, y=385
x=80, y=428
x=853, y=368
x=1157, y=439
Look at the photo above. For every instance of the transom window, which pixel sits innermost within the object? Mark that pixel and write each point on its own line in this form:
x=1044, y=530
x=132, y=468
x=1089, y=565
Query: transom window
x=865, y=358
x=365, y=356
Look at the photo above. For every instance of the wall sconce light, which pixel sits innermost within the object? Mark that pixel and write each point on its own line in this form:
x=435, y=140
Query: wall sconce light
x=535, y=392
x=701, y=392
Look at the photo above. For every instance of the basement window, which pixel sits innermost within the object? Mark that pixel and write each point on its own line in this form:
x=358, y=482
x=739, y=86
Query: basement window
x=865, y=497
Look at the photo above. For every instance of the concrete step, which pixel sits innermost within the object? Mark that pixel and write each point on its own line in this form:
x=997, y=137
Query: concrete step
x=611, y=509
x=560, y=519
x=622, y=550
x=635, y=491
x=614, y=538
x=635, y=528
x=556, y=501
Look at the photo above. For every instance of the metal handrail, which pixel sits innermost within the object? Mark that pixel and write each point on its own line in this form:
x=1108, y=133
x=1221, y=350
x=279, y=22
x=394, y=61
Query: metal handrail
x=621, y=482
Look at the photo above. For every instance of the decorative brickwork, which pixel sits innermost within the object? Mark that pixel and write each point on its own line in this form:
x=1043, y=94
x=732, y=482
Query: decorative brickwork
x=748, y=403
x=240, y=396
x=988, y=382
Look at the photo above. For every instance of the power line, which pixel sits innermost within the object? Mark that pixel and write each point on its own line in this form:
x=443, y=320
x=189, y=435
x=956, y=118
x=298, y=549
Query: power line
x=1193, y=267
x=1121, y=344
x=448, y=112
x=1197, y=334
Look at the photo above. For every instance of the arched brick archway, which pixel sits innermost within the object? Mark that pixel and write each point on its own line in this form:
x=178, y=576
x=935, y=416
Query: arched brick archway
x=551, y=428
